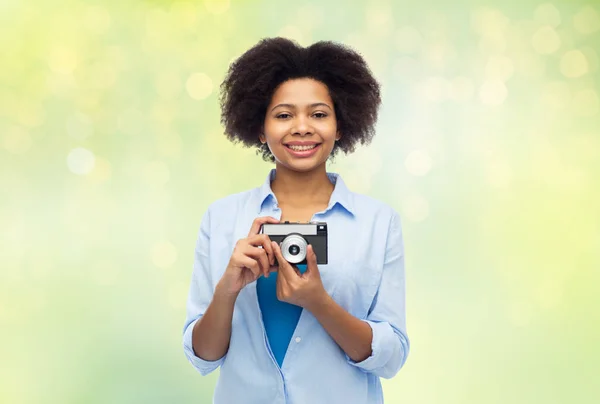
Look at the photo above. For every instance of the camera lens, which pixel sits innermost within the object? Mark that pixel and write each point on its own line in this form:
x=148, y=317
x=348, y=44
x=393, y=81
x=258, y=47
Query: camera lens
x=293, y=248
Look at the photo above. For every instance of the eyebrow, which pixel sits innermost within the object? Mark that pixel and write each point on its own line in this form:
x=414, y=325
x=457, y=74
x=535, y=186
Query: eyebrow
x=292, y=106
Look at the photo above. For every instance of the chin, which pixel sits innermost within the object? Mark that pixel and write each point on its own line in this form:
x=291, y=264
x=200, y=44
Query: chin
x=305, y=166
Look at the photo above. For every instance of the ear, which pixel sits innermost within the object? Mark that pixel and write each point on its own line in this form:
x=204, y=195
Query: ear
x=338, y=136
x=262, y=137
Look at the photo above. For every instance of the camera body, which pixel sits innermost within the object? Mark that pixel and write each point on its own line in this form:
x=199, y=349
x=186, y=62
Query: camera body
x=294, y=238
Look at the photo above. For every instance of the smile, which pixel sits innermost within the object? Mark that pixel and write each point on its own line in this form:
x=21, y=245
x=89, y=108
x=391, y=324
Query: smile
x=302, y=150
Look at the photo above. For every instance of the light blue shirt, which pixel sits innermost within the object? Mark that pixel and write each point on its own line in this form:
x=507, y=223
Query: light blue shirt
x=364, y=275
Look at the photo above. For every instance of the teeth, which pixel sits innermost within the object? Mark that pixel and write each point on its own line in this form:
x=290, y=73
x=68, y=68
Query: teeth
x=302, y=148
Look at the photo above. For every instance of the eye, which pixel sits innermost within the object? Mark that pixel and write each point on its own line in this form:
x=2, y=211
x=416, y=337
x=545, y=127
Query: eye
x=321, y=115
x=283, y=116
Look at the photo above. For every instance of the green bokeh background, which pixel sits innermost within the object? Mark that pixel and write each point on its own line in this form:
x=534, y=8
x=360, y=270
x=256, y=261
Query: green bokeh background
x=488, y=144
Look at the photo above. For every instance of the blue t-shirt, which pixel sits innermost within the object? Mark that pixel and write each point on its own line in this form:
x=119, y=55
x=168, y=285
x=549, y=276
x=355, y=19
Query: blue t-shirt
x=280, y=318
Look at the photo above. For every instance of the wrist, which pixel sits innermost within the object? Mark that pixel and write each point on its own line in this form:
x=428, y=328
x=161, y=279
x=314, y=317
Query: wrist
x=319, y=304
x=222, y=294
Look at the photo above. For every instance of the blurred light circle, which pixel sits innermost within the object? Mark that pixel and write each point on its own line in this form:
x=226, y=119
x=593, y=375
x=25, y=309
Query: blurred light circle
x=492, y=45
x=62, y=60
x=438, y=54
x=79, y=126
x=547, y=14
x=199, y=86
x=184, y=13
x=545, y=40
x=16, y=140
x=499, y=68
x=461, y=89
x=379, y=21
x=216, y=6
x=586, y=102
x=489, y=22
x=80, y=161
x=587, y=20
x=408, y=39
x=418, y=163
x=102, y=170
x=592, y=58
x=493, y=92
x=415, y=208
x=573, y=64
x=164, y=254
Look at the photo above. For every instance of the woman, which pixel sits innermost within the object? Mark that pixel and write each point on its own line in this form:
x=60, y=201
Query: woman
x=298, y=334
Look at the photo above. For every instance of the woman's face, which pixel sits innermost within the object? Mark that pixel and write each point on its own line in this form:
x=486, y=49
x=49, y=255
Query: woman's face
x=300, y=124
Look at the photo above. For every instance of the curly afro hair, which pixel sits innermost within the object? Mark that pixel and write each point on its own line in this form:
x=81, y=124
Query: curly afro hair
x=252, y=79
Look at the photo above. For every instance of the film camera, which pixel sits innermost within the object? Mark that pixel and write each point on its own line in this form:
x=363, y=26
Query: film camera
x=294, y=238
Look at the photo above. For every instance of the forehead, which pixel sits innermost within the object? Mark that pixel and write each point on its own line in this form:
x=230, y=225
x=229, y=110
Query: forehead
x=302, y=91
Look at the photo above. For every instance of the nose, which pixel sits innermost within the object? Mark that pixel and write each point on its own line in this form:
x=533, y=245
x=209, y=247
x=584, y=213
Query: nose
x=301, y=126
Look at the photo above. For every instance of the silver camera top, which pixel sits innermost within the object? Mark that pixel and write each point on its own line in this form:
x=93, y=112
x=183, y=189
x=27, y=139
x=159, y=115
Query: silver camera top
x=307, y=228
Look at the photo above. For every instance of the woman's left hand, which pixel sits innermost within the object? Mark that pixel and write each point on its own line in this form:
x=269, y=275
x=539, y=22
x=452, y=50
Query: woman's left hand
x=305, y=290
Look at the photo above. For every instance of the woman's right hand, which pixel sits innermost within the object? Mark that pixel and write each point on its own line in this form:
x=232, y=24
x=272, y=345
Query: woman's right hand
x=252, y=257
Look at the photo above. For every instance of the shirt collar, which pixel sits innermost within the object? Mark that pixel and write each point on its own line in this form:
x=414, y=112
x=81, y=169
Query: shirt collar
x=340, y=195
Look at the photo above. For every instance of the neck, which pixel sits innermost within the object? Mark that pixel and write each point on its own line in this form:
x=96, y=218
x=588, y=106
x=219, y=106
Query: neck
x=302, y=188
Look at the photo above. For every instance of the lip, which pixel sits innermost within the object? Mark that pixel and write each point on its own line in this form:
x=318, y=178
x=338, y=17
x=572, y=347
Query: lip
x=304, y=153
x=298, y=143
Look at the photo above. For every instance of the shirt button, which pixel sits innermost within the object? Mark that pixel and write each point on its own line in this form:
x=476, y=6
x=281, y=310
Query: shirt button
x=298, y=339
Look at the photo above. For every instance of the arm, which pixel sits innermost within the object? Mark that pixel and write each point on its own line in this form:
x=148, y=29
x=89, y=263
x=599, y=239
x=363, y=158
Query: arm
x=212, y=332
x=207, y=328
x=387, y=314
x=351, y=334
x=379, y=343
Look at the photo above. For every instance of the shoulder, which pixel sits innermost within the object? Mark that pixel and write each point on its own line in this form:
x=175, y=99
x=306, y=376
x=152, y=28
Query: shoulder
x=368, y=206
x=233, y=203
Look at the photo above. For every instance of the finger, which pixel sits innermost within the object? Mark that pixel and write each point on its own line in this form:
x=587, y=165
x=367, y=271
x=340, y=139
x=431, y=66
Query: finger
x=262, y=240
x=259, y=221
x=251, y=265
x=311, y=259
x=259, y=255
x=284, y=267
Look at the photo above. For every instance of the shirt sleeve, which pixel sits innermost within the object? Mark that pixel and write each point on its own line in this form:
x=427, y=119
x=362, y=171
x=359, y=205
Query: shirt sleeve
x=387, y=314
x=200, y=295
